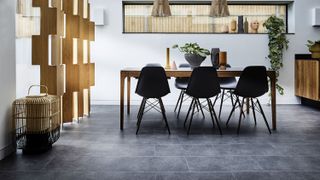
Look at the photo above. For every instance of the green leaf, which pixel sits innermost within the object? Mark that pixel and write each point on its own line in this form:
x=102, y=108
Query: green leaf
x=278, y=42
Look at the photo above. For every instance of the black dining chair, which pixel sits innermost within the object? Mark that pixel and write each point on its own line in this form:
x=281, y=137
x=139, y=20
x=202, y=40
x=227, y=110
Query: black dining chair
x=228, y=85
x=152, y=84
x=203, y=84
x=182, y=84
x=252, y=84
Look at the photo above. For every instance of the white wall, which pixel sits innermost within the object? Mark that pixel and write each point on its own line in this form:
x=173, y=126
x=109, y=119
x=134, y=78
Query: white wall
x=7, y=73
x=113, y=50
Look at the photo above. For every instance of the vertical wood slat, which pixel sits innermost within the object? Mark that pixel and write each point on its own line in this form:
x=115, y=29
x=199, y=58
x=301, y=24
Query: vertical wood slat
x=79, y=76
x=51, y=24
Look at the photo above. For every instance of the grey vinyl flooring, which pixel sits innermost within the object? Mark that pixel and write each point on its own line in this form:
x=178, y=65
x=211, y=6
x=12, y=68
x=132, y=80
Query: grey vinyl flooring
x=96, y=148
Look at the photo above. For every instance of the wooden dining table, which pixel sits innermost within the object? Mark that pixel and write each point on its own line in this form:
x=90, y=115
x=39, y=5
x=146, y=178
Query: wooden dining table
x=128, y=73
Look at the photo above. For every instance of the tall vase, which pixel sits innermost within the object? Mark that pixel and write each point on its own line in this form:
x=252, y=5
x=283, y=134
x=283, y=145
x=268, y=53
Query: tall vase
x=240, y=24
x=246, y=26
x=215, y=57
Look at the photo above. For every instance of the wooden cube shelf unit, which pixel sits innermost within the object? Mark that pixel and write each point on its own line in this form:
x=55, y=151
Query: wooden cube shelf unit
x=71, y=73
x=307, y=77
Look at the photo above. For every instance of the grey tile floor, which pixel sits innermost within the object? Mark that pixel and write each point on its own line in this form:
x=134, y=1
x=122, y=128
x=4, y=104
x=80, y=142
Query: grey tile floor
x=96, y=149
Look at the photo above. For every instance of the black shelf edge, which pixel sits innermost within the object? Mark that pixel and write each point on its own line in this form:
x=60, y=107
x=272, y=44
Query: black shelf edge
x=208, y=2
x=178, y=33
x=304, y=56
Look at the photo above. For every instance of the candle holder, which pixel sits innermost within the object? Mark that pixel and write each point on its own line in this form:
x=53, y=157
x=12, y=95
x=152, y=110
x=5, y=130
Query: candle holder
x=223, y=60
x=168, y=66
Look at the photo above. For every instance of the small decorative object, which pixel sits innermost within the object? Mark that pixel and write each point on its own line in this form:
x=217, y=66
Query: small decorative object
x=240, y=24
x=246, y=26
x=215, y=57
x=233, y=26
x=222, y=60
x=168, y=59
x=254, y=25
x=36, y=121
x=173, y=65
x=314, y=48
x=219, y=8
x=194, y=54
x=278, y=42
x=161, y=8
x=225, y=29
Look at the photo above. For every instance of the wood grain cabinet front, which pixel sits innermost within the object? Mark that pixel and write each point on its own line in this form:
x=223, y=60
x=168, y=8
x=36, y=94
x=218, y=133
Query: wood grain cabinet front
x=307, y=77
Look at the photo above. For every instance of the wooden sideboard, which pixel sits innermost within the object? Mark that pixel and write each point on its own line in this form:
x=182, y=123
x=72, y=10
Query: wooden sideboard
x=307, y=77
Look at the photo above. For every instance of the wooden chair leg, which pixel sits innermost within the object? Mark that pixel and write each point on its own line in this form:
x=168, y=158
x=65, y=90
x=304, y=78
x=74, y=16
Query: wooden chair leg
x=215, y=116
x=241, y=108
x=140, y=108
x=208, y=101
x=253, y=111
x=199, y=104
x=178, y=102
x=264, y=117
x=240, y=117
x=232, y=111
x=190, y=108
x=215, y=100
x=141, y=115
x=164, y=114
x=231, y=97
x=181, y=101
x=193, y=108
x=221, y=103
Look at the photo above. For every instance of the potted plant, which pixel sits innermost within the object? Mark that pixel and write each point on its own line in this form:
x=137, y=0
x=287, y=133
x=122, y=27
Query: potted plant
x=194, y=54
x=314, y=48
x=278, y=42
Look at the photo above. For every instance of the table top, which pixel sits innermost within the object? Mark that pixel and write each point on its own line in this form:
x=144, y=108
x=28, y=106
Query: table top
x=185, y=69
x=186, y=72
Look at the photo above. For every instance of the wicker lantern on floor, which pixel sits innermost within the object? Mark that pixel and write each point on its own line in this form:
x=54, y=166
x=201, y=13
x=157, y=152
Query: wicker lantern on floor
x=36, y=122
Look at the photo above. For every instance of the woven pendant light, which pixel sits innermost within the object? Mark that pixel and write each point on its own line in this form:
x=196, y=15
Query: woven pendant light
x=19, y=9
x=219, y=8
x=161, y=8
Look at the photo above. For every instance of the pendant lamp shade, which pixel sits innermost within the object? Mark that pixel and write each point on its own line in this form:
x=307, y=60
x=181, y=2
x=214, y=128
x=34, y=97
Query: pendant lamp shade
x=219, y=8
x=161, y=8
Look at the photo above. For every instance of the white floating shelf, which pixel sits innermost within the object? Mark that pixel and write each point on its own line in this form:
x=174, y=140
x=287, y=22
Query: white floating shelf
x=316, y=17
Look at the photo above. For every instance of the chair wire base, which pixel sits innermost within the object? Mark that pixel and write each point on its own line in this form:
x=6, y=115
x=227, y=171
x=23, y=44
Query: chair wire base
x=196, y=102
x=146, y=106
x=255, y=106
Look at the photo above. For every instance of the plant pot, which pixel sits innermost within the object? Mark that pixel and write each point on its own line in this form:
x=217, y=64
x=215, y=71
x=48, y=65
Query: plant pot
x=315, y=50
x=194, y=60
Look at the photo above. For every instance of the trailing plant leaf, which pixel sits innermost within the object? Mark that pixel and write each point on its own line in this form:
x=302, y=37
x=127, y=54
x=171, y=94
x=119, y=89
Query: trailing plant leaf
x=278, y=42
x=311, y=43
x=192, y=48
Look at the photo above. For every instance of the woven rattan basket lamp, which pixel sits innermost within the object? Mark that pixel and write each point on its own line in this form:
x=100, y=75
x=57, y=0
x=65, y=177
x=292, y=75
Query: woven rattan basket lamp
x=219, y=8
x=36, y=122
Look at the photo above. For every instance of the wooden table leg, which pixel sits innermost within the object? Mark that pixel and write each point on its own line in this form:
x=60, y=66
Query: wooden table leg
x=128, y=94
x=273, y=102
x=122, y=79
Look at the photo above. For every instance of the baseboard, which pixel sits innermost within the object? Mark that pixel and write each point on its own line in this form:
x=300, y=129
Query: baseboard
x=310, y=103
x=6, y=151
x=169, y=102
